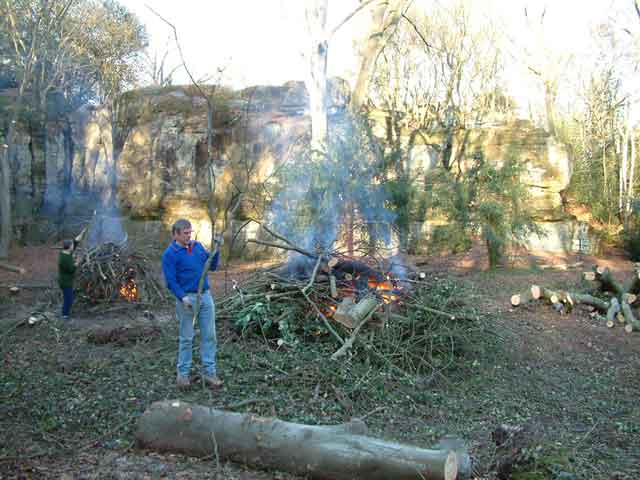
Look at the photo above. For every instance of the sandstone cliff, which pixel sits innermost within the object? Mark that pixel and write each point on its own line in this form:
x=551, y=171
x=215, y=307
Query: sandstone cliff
x=154, y=158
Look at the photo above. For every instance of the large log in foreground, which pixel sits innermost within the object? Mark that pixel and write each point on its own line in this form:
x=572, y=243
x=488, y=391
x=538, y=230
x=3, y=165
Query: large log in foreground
x=340, y=452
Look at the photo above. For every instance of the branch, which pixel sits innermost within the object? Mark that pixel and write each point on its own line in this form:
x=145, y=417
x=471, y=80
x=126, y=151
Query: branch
x=415, y=27
x=313, y=275
x=348, y=17
x=284, y=247
x=184, y=63
x=272, y=233
x=207, y=265
x=323, y=317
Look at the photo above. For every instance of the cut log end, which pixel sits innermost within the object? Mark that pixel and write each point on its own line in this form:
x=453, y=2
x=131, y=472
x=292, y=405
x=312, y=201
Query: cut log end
x=515, y=300
x=610, y=324
x=589, y=276
x=451, y=466
x=628, y=328
x=536, y=291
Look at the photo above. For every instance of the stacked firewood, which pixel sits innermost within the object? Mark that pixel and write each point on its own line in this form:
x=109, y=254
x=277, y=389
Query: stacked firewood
x=113, y=272
x=615, y=301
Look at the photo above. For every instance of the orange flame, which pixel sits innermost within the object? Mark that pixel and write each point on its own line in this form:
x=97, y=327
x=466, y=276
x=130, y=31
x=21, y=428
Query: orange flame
x=385, y=288
x=129, y=290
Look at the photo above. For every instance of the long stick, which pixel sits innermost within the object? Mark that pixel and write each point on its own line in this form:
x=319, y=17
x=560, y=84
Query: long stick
x=352, y=338
x=207, y=264
x=284, y=247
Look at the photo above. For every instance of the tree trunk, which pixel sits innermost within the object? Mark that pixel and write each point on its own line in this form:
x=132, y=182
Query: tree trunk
x=316, y=15
x=386, y=15
x=340, y=452
x=608, y=283
x=5, y=202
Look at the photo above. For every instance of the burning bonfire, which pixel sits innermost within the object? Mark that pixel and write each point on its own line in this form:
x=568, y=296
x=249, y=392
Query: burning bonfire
x=114, y=272
x=410, y=318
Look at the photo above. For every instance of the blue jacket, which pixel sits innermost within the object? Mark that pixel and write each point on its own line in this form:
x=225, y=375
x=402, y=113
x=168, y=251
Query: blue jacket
x=182, y=267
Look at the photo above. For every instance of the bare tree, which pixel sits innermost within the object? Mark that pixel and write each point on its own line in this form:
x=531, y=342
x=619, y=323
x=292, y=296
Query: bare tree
x=385, y=19
x=156, y=69
x=29, y=31
x=316, y=19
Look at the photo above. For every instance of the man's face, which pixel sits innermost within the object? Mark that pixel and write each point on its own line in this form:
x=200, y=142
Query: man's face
x=183, y=236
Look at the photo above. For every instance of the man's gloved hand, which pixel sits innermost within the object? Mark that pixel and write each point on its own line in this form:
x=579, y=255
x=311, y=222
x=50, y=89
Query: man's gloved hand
x=187, y=302
x=220, y=240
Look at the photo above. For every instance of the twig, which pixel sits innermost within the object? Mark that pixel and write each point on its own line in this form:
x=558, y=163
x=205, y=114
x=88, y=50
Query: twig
x=283, y=247
x=444, y=314
x=313, y=275
x=324, y=319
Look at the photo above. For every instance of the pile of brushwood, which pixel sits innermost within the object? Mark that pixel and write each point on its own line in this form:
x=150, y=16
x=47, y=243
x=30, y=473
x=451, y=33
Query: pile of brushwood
x=113, y=272
x=605, y=296
x=414, y=323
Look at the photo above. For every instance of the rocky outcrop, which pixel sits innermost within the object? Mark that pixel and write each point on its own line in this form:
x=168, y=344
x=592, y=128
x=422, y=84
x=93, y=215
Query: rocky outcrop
x=154, y=158
x=548, y=167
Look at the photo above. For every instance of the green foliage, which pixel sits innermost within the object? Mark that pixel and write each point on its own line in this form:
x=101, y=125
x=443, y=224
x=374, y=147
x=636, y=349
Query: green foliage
x=591, y=136
x=631, y=234
x=424, y=341
x=486, y=199
x=270, y=321
x=449, y=238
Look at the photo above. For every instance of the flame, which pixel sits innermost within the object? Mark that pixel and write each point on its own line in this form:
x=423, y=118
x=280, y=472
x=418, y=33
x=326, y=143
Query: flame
x=129, y=290
x=386, y=288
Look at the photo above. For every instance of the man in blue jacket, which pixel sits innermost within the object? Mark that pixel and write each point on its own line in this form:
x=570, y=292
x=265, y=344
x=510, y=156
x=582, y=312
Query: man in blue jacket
x=182, y=264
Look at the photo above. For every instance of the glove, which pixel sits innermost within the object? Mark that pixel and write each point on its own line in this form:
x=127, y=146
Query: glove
x=187, y=302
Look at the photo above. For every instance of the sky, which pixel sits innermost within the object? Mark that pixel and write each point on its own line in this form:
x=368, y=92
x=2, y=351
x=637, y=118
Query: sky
x=261, y=42
x=258, y=41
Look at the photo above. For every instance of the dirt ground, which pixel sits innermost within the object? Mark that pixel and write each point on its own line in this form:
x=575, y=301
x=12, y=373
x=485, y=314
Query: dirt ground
x=567, y=378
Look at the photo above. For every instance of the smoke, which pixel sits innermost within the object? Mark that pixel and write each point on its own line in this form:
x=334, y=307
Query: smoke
x=322, y=196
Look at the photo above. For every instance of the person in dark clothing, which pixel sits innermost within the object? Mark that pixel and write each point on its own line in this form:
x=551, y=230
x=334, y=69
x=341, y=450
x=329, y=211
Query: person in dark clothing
x=66, y=272
x=182, y=264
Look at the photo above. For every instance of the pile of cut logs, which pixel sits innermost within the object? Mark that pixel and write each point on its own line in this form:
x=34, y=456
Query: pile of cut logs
x=614, y=300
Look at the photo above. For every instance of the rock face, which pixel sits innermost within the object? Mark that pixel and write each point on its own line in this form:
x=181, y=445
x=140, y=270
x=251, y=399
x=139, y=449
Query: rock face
x=547, y=163
x=154, y=159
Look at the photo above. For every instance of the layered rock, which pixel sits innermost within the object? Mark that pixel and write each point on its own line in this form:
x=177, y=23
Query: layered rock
x=154, y=158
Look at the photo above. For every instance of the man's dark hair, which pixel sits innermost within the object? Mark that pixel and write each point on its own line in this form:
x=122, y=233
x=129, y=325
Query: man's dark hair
x=180, y=225
x=67, y=244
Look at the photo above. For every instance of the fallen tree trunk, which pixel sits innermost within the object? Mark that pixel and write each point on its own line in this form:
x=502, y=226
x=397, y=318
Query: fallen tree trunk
x=12, y=268
x=522, y=298
x=586, y=299
x=340, y=452
x=608, y=283
x=632, y=322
